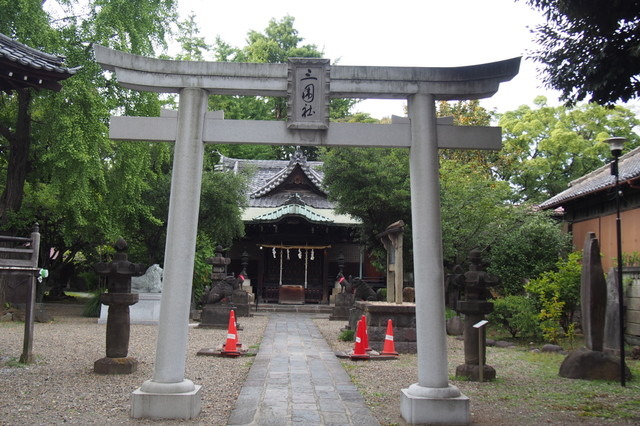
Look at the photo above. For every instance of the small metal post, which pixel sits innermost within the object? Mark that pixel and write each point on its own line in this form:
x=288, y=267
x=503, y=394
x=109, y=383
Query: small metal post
x=481, y=347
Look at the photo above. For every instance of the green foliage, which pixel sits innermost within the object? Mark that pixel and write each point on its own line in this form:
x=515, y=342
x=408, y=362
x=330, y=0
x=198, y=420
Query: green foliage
x=201, y=269
x=558, y=295
x=477, y=209
x=473, y=207
x=347, y=335
x=516, y=314
x=82, y=188
x=545, y=148
x=550, y=316
x=93, y=305
x=525, y=247
x=449, y=313
x=371, y=184
x=588, y=50
x=631, y=259
x=382, y=294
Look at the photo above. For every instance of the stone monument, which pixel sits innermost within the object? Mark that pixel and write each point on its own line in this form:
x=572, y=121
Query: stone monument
x=474, y=285
x=392, y=239
x=591, y=362
x=118, y=297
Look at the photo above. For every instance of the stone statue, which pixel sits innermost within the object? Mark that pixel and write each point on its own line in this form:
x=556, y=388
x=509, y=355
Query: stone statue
x=361, y=290
x=342, y=281
x=221, y=291
x=150, y=282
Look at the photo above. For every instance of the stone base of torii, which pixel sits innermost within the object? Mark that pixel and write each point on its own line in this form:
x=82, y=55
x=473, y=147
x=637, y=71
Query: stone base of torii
x=308, y=84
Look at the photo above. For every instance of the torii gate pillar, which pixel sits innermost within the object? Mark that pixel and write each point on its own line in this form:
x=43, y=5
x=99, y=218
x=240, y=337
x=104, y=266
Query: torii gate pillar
x=168, y=394
x=432, y=399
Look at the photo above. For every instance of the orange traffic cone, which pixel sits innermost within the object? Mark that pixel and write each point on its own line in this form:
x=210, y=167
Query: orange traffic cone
x=389, y=348
x=231, y=347
x=365, y=333
x=359, y=351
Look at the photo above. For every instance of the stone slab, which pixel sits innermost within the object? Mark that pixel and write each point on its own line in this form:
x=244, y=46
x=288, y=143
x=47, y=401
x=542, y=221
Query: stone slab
x=108, y=365
x=149, y=405
x=216, y=316
x=146, y=311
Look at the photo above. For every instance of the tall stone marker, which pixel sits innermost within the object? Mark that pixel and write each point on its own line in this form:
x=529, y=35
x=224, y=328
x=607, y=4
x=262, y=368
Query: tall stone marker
x=593, y=294
x=591, y=362
x=308, y=87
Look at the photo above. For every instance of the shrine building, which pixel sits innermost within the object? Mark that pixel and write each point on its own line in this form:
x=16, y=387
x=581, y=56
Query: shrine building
x=295, y=243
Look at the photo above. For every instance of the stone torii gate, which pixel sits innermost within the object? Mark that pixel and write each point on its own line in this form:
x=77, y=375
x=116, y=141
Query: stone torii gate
x=309, y=84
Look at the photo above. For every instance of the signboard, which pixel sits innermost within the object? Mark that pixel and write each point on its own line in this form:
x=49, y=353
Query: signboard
x=308, y=94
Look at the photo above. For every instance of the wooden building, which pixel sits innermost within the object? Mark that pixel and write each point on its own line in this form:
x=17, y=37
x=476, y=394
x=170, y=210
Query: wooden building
x=589, y=205
x=295, y=242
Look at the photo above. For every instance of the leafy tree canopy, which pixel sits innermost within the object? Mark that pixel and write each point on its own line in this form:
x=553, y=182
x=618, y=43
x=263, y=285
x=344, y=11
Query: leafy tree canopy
x=545, y=148
x=84, y=189
x=590, y=49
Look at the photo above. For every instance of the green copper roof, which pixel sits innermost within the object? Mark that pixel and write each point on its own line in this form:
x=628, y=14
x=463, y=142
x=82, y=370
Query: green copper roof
x=293, y=209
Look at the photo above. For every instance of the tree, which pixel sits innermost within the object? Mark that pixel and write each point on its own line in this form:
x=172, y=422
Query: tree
x=477, y=208
x=525, y=247
x=590, y=49
x=80, y=185
x=371, y=184
x=545, y=148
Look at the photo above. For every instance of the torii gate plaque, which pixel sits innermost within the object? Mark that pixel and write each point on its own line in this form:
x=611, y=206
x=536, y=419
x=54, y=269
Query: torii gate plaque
x=168, y=394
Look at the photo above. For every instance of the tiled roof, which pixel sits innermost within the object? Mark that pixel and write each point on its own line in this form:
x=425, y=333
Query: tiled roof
x=23, y=66
x=267, y=175
x=628, y=166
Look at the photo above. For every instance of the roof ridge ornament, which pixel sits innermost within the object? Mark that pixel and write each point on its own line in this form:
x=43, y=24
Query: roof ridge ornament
x=298, y=157
x=295, y=198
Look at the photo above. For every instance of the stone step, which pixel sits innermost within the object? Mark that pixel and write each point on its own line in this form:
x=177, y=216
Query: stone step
x=272, y=307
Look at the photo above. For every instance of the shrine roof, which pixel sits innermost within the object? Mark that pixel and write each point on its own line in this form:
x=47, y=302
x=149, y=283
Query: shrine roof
x=598, y=180
x=267, y=175
x=22, y=66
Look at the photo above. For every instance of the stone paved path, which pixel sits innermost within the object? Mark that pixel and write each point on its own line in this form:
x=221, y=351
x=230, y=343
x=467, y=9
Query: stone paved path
x=297, y=380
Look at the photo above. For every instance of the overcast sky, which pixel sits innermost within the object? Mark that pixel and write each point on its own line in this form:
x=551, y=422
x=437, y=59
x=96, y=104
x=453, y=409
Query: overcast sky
x=422, y=33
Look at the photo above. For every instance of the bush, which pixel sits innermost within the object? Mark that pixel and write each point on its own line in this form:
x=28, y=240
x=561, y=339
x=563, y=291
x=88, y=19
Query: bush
x=557, y=294
x=516, y=314
x=347, y=335
x=530, y=247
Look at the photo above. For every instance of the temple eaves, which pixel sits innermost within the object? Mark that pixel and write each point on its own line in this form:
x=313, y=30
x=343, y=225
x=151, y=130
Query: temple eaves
x=257, y=79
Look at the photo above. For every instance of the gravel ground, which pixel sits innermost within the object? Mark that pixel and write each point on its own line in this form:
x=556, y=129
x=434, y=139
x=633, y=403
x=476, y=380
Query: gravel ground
x=60, y=387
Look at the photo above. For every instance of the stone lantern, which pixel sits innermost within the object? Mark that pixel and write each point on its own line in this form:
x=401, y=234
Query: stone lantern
x=118, y=298
x=474, y=284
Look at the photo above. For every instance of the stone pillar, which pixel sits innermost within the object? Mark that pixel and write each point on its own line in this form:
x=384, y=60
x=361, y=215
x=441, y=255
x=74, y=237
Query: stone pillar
x=432, y=399
x=168, y=394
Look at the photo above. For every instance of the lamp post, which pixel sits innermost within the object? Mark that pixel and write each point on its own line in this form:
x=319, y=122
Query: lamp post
x=615, y=145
